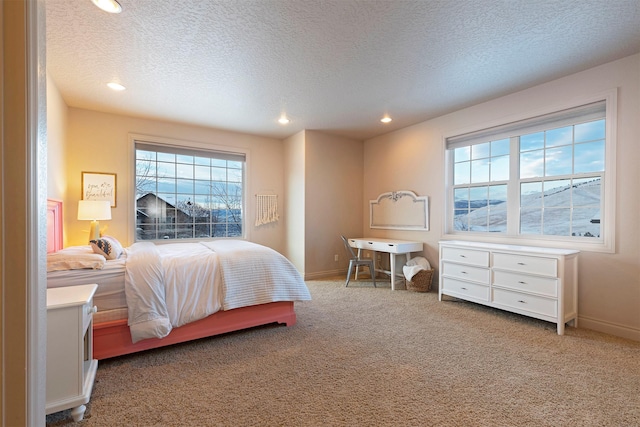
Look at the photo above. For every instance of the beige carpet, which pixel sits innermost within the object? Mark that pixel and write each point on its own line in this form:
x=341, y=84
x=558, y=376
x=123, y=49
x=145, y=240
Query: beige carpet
x=360, y=356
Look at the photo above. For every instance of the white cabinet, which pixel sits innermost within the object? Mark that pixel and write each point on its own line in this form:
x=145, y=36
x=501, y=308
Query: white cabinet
x=71, y=369
x=532, y=281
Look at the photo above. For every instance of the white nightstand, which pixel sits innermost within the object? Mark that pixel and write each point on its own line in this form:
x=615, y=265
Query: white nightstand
x=71, y=369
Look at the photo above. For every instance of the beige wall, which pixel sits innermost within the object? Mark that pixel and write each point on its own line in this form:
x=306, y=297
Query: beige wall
x=294, y=166
x=333, y=191
x=413, y=159
x=323, y=180
x=99, y=142
x=56, y=137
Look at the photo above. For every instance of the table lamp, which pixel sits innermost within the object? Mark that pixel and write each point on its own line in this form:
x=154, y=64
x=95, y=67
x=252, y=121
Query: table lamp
x=94, y=211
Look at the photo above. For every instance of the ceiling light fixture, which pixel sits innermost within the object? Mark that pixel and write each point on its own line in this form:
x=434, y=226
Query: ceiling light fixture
x=116, y=86
x=283, y=120
x=111, y=6
x=385, y=119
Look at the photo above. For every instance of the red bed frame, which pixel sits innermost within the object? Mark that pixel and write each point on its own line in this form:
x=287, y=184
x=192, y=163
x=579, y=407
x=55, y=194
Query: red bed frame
x=113, y=338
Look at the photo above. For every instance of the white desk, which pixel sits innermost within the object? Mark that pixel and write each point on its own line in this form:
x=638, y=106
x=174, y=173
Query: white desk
x=390, y=246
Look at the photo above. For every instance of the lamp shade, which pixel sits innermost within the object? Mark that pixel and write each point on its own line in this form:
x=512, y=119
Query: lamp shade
x=92, y=210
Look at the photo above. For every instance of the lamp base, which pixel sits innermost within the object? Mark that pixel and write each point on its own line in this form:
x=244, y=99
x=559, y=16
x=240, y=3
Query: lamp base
x=94, y=232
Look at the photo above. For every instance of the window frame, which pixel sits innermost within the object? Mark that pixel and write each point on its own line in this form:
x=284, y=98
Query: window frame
x=178, y=144
x=608, y=212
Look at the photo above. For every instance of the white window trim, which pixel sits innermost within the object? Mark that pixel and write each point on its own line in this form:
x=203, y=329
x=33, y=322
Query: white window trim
x=608, y=218
x=158, y=140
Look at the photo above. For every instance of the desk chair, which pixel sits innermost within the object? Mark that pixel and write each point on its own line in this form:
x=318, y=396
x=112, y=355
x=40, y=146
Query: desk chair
x=356, y=261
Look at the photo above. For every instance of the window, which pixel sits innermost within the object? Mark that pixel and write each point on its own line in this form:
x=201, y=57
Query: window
x=186, y=193
x=540, y=178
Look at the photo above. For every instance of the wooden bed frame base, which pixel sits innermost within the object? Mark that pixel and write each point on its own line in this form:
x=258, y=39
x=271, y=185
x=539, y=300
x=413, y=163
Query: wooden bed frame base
x=111, y=339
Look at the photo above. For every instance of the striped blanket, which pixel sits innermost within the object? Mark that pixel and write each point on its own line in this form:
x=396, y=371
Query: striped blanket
x=253, y=274
x=170, y=285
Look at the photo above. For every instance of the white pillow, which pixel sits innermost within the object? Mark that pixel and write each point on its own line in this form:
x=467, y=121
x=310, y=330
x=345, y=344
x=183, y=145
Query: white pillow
x=107, y=246
x=73, y=259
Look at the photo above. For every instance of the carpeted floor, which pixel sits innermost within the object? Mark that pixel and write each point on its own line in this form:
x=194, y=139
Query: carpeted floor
x=360, y=356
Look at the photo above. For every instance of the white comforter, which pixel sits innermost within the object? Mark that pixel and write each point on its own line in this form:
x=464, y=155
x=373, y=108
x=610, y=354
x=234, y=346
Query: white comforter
x=173, y=284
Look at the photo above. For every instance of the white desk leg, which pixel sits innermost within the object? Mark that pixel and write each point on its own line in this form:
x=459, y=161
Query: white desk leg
x=357, y=266
x=393, y=268
x=392, y=258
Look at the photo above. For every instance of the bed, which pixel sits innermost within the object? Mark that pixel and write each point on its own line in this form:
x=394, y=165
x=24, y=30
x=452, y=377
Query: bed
x=222, y=291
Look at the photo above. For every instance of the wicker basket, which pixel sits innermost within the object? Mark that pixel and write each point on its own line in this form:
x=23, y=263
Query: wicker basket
x=421, y=281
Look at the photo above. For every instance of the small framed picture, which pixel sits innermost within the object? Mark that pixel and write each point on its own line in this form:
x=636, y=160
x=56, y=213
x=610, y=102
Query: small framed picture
x=99, y=186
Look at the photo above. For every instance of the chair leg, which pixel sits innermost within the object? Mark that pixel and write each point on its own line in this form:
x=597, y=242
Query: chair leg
x=373, y=275
x=349, y=274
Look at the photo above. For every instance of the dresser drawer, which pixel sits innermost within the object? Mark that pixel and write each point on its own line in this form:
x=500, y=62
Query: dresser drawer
x=530, y=303
x=523, y=282
x=465, y=289
x=466, y=256
x=526, y=264
x=466, y=272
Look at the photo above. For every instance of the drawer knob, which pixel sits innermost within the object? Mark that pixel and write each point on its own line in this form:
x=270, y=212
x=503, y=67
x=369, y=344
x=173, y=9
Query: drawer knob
x=521, y=263
x=464, y=289
x=92, y=310
x=463, y=256
x=464, y=272
x=521, y=282
x=522, y=301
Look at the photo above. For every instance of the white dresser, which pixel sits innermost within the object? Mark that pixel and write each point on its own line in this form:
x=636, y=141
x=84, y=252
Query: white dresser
x=532, y=281
x=71, y=369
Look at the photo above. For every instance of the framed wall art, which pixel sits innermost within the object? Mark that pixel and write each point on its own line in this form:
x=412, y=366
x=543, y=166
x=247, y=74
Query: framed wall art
x=400, y=210
x=99, y=186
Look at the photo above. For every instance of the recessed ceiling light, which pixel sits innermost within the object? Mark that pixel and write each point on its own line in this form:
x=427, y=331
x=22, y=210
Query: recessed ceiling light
x=111, y=6
x=116, y=86
x=283, y=120
x=385, y=119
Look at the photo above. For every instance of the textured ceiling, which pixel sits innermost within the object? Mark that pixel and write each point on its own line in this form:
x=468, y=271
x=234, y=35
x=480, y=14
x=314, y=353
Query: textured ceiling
x=331, y=65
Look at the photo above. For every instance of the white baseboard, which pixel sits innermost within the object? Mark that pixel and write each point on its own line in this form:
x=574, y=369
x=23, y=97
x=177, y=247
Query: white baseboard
x=609, y=328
